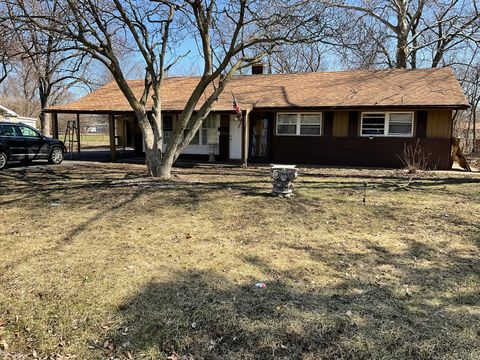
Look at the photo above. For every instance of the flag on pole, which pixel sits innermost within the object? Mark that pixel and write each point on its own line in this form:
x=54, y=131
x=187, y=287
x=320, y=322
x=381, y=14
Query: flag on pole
x=236, y=107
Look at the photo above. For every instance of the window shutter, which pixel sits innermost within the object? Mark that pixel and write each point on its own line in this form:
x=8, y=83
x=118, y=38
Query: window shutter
x=353, y=124
x=328, y=124
x=421, y=128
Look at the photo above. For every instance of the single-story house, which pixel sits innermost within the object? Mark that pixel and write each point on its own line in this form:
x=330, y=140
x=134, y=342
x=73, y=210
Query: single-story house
x=357, y=118
x=11, y=116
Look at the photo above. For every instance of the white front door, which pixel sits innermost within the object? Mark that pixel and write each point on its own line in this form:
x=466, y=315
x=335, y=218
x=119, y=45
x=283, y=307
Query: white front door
x=235, y=139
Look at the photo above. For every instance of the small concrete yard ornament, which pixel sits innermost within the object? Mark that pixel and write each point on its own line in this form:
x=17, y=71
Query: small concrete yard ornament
x=283, y=177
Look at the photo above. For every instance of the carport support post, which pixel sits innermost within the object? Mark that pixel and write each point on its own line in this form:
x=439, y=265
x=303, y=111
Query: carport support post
x=111, y=128
x=245, y=126
x=78, y=135
x=55, y=125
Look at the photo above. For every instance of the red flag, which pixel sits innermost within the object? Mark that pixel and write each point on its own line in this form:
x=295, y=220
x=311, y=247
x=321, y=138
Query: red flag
x=236, y=107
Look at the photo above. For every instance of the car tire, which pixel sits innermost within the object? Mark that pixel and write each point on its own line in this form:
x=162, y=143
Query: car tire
x=3, y=159
x=56, y=156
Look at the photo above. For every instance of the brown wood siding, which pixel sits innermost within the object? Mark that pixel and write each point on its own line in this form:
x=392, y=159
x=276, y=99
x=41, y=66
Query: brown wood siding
x=347, y=148
x=439, y=124
x=340, y=123
x=421, y=124
x=328, y=123
x=353, y=122
x=354, y=151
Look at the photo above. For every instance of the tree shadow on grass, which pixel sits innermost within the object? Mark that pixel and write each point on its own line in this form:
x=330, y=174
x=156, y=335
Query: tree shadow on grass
x=46, y=183
x=204, y=315
x=39, y=186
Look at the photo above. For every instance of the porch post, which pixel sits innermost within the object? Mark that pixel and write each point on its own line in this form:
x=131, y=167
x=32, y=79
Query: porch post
x=55, y=125
x=78, y=134
x=245, y=126
x=111, y=128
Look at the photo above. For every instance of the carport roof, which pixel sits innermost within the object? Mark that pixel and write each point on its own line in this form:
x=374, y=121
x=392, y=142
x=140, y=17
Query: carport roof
x=420, y=88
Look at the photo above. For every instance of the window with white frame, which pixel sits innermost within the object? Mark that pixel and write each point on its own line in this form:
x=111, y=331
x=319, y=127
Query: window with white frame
x=387, y=124
x=400, y=124
x=208, y=131
x=196, y=138
x=306, y=124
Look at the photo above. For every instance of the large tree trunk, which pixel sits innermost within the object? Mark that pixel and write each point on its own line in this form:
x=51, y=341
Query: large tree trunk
x=152, y=142
x=166, y=167
x=437, y=58
x=402, y=36
x=402, y=52
x=153, y=159
x=44, y=123
x=43, y=104
x=402, y=47
x=474, y=109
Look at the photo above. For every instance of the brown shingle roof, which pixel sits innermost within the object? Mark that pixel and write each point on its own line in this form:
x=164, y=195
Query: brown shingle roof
x=346, y=89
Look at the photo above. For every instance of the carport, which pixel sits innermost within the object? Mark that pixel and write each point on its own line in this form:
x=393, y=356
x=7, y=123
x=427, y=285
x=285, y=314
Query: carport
x=122, y=134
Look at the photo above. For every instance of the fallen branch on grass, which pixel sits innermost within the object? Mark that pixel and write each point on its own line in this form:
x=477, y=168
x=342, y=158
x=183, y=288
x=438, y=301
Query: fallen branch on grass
x=395, y=186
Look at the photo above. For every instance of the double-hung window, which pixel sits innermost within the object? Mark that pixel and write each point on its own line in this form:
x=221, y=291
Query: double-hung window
x=209, y=131
x=387, y=124
x=196, y=138
x=207, y=134
x=400, y=124
x=306, y=124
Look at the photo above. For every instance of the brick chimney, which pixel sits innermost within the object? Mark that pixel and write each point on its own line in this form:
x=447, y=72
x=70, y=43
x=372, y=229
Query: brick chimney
x=257, y=69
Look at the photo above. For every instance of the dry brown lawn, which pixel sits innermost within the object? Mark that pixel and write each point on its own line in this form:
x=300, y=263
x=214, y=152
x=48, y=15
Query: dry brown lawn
x=100, y=261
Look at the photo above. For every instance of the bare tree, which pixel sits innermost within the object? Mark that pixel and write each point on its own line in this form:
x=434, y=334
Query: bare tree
x=7, y=46
x=361, y=43
x=5, y=58
x=230, y=35
x=297, y=58
x=416, y=27
x=226, y=31
x=397, y=16
x=452, y=24
x=20, y=92
x=47, y=60
x=466, y=121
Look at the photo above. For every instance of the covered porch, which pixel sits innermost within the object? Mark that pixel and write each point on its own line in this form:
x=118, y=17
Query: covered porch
x=122, y=137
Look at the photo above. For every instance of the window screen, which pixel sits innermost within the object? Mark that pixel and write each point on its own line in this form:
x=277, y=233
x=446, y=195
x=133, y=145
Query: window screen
x=400, y=124
x=310, y=124
x=373, y=124
x=209, y=131
x=287, y=124
x=387, y=124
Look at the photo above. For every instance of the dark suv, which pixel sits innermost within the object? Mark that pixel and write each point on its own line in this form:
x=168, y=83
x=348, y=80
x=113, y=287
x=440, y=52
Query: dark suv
x=19, y=142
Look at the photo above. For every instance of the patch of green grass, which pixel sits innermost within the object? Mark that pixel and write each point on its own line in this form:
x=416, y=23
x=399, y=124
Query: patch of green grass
x=100, y=261
x=93, y=140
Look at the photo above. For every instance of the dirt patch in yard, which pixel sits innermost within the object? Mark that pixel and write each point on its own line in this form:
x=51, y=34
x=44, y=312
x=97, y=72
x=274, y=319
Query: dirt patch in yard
x=101, y=261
